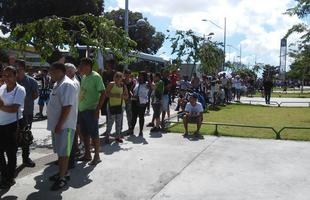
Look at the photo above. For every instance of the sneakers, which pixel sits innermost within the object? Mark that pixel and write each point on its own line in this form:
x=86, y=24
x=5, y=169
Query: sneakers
x=29, y=163
x=59, y=184
x=141, y=134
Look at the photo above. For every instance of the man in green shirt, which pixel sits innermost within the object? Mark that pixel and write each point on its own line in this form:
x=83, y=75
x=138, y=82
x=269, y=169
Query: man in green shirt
x=92, y=95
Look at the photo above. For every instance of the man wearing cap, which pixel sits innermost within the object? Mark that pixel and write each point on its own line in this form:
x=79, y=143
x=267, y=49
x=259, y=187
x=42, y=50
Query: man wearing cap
x=193, y=114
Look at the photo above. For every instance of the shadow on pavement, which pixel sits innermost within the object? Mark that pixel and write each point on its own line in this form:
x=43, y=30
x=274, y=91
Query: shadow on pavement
x=194, y=137
x=79, y=178
x=113, y=147
x=137, y=140
x=156, y=134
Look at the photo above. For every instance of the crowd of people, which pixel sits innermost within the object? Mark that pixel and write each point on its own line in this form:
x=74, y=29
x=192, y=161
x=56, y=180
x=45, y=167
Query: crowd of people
x=76, y=96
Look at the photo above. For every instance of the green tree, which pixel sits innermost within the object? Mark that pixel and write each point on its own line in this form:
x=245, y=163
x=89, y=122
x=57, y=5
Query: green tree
x=191, y=48
x=300, y=68
x=186, y=46
x=15, y=12
x=270, y=71
x=53, y=33
x=245, y=72
x=302, y=10
x=144, y=34
x=301, y=52
x=211, y=57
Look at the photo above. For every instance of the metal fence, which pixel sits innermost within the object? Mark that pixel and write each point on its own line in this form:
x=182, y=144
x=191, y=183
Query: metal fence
x=218, y=124
x=279, y=104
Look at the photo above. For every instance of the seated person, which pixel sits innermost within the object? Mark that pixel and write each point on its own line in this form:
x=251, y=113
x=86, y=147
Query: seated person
x=193, y=113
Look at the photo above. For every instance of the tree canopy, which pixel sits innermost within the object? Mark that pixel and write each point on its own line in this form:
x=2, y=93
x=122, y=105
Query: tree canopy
x=300, y=67
x=50, y=34
x=192, y=48
x=302, y=10
x=15, y=12
x=145, y=35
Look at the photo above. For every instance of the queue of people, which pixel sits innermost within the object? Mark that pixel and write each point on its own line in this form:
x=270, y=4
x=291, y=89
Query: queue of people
x=79, y=95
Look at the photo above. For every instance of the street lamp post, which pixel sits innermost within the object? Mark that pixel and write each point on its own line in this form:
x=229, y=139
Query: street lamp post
x=140, y=22
x=126, y=27
x=127, y=16
x=207, y=20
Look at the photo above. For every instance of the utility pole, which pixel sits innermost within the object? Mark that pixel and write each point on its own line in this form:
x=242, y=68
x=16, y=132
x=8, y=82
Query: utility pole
x=224, y=44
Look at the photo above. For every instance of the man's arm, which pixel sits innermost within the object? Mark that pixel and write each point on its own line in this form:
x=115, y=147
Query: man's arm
x=99, y=106
x=65, y=111
x=101, y=89
x=35, y=93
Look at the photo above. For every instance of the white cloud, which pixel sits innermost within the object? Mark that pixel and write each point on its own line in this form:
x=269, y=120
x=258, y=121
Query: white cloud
x=261, y=24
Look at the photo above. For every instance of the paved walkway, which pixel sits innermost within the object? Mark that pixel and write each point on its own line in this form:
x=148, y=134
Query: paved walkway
x=166, y=166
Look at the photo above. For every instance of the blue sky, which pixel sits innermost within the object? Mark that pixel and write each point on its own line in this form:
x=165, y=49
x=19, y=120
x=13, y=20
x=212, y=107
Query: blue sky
x=257, y=25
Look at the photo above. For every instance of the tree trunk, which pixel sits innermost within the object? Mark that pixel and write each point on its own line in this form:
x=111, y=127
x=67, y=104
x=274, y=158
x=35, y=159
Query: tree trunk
x=303, y=80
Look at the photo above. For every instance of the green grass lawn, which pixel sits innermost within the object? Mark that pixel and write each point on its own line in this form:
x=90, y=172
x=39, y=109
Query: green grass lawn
x=255, y=115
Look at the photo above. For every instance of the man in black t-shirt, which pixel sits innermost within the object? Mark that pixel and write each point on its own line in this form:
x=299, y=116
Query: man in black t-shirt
x=267, y=89
x=108, y=73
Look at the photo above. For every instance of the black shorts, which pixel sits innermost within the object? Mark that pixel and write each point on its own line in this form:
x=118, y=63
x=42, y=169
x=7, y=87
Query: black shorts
x=156, y=109
x=88, y=124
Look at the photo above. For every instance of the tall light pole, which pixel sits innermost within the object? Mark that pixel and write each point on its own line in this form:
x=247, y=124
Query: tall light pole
x=207, y=20
x=224, y=44
x=126, y=27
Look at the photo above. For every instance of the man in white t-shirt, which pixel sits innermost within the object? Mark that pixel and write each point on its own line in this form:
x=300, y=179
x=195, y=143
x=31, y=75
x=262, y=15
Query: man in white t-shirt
x=62, y=119
x=193, y=114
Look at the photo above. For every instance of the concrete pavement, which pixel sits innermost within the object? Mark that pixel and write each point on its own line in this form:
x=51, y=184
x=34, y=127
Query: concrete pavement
x=167, y=166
